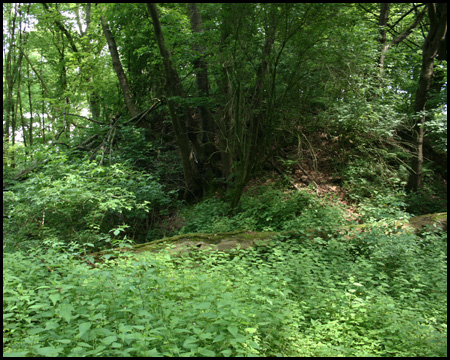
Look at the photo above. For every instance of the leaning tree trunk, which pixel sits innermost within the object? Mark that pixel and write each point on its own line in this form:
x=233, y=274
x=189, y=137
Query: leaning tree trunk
x=257, y=134
x=438, y=29
x=179, y=122
x=383, y=24
x=127, y=95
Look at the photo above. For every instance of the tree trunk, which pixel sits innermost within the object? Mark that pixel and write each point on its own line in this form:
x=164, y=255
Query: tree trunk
x=30, y=102
x=209, y=154
x=438, y=29
x=8, y=127
x=127, y=94
x=383, y=21
x=257, y=134
x=224, y=118
x=201, y=73
x=179, y=122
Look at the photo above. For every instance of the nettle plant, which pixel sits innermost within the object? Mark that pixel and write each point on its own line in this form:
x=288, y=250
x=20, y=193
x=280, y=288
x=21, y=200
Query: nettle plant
x=380, y=295
x=157, y=306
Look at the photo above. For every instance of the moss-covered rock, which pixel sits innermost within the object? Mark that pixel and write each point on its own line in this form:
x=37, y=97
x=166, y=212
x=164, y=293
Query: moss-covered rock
x=438, y=220
x=218, y=242
x=229, y=241
x=186, y=243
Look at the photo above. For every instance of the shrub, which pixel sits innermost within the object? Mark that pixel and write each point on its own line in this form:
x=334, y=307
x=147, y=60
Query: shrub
x=264, y=209
x=268, y=209
x=426, y=201
x=152, y=307
x=208, y=216
x=80, y=203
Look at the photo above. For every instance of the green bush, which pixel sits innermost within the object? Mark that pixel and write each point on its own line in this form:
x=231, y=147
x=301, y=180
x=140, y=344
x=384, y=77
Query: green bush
x=268, y=209
x=80, y=203
x=388, y=300
x=364, y=177
x=147, y=308
x=382, y=205
x=426, y=201
x=264, y=209
x=209, y=216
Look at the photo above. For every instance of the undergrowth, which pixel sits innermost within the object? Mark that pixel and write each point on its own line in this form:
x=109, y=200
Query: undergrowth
x=370, y=293
x=376, y=295
x=264, y=209
x=82, y=204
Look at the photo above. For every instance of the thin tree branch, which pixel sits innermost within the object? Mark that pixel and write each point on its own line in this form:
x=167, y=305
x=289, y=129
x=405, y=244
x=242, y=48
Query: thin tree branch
x=60, y=25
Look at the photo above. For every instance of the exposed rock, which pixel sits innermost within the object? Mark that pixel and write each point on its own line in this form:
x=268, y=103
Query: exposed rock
x=186, y=243
x=242, y=239
x=216, y=242
x=439, y=220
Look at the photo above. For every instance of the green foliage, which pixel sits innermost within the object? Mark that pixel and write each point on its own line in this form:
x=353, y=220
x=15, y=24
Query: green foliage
x=376, y=295
x=279, y=75
x=264, y=209
x=134, y=147
x=141, y=308
x=208, y=216
x=376, y=187
x=437, y=132
x=364, y=178
x=383, y=301
x=268, y=209
x=167, y=167
x=80, y=203
x=427, y=201
x=362, y=118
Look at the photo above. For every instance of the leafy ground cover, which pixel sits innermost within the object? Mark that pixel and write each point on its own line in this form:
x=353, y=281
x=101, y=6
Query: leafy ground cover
x=376, y=292
x=376, y=295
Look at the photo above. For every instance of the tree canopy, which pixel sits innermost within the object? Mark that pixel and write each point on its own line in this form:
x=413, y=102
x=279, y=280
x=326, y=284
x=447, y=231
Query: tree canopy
x=232, y=80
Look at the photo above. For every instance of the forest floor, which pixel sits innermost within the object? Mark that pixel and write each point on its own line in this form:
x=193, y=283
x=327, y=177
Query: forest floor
x=313, y=169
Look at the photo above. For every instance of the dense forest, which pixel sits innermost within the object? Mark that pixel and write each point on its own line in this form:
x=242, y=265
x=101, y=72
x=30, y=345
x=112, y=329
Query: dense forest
x=229, y=179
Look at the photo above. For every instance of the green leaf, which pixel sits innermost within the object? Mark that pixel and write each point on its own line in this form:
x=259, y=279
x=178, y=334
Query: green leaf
x=190, y=343
x=203, y=305
x=109, y=340
x=35, y=330
x=151, y=353
x=233, y=330
x=226, y=353
x=206, y=352
x=38, y=306
x=54, y=298
x=16, y=354
x=218, y=338
x=83, y=328
x=50, y=325
x=65, y=310
x=64, y=341
x=240, y=338
x=48, y=351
